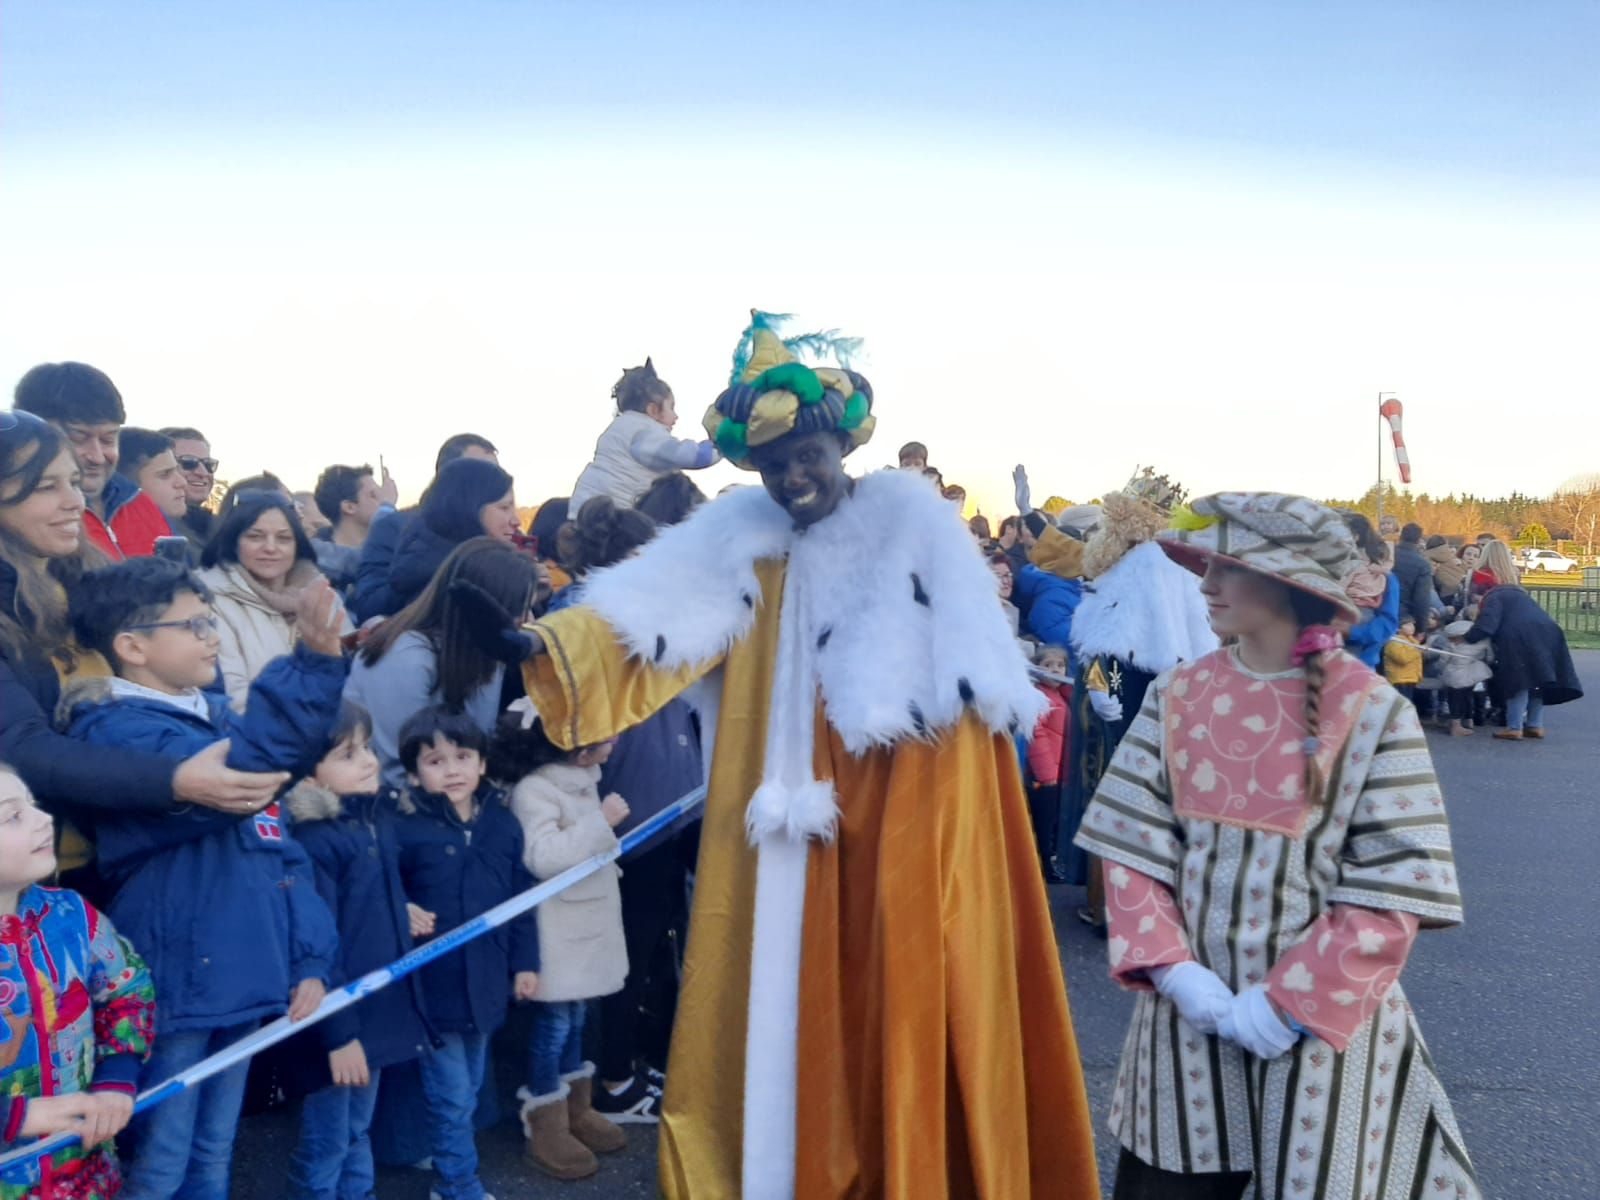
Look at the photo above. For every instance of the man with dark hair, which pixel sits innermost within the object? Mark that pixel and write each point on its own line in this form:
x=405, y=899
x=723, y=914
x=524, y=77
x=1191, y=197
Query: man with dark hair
x=147, y=459
x=370, y=595
x=86, y=407
x=192, y=449
x=1415, y=575
x=351, y=499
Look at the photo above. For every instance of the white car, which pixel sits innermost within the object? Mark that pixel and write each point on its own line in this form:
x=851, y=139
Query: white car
x=1546, y=560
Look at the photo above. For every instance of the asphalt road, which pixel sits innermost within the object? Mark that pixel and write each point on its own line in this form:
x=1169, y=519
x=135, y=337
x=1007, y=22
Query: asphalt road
x=1509, y=1003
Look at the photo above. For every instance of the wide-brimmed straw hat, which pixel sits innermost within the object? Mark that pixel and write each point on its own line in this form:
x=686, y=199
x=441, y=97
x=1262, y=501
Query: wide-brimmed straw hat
x=1295, y=540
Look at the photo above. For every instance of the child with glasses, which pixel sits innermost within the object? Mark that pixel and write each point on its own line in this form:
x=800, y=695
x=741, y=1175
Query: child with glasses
x=224, y=908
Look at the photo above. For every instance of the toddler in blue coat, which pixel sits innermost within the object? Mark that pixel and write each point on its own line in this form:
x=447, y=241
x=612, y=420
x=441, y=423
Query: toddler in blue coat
x=345, y=819
x=461, y=853
x=223, y=907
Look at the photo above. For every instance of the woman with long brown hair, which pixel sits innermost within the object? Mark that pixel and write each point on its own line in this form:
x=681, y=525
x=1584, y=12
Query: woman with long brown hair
x=425, y=656
x=42, y=550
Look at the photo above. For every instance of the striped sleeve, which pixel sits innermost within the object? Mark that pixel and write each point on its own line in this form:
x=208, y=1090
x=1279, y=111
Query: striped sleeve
x=1397, y=855
x=1130, y=820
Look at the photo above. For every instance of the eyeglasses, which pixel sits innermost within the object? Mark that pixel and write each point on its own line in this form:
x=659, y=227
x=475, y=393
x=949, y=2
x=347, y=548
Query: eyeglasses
x=189, y=462
x=201, y=627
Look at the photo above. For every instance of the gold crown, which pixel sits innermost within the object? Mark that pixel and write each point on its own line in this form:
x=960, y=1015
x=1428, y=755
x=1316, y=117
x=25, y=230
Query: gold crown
x=1155, y=490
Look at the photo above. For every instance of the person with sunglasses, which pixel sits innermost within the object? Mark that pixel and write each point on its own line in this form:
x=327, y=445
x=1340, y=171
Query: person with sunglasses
x=199, y=468
x=42, y=549
x=83, y=403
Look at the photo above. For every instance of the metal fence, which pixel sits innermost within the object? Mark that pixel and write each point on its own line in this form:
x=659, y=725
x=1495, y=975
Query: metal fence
x=1575, y=609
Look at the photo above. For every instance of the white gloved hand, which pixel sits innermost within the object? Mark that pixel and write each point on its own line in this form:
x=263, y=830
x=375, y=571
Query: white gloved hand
x=1106, y=706
x=1255, y=1025
x=1024, y=494
x=1201, y=996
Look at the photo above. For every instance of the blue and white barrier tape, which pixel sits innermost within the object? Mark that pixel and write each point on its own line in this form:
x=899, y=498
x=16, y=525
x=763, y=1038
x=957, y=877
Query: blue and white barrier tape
x=342, y=997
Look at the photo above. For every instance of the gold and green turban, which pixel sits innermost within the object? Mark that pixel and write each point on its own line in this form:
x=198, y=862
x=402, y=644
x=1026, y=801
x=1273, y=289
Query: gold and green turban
x=772, y=394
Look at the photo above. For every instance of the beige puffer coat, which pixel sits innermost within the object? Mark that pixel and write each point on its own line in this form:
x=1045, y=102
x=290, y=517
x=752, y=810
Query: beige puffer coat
x=582, y=953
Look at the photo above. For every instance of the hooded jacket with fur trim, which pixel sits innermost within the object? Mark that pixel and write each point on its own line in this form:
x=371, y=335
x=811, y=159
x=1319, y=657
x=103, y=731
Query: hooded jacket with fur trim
x=356, y=858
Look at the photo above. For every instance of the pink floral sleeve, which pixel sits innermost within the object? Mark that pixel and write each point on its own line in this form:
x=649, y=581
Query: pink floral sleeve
x=1143, y=927
x=1335, y=979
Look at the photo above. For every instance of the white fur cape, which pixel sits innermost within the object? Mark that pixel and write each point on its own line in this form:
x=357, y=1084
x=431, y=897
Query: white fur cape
x=901, y=611
x=1146, y=610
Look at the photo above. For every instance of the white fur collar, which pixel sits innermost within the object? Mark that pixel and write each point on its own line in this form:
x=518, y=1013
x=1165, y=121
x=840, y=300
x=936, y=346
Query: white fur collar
x=901, y=607
x=1146, y=610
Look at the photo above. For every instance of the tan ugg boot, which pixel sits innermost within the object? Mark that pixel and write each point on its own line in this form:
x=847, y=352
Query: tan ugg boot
x=551, y=1147
x=589, y=1127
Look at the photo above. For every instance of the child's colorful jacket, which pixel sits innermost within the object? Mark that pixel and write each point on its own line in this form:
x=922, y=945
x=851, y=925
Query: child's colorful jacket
x=77, y=1014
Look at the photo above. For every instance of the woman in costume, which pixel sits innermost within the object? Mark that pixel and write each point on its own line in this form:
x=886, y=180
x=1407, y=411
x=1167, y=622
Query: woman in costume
x=1274, y=837
x=873, y=1002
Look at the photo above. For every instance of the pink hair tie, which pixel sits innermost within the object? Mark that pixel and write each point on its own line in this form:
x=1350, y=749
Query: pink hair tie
x=1316, y=639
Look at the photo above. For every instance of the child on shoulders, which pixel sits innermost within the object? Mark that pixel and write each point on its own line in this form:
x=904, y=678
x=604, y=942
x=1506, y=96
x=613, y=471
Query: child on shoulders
x=461, y=853
x=345, y=819
x=222, y=906
x=564, y=822
x=79, y=1011
x=637, y=447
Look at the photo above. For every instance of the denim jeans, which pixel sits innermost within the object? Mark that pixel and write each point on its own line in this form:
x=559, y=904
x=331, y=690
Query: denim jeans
x=555, y=1046
x=183, y=1147
x=1525, y=709
x=333, y=1159
x=452, y=1073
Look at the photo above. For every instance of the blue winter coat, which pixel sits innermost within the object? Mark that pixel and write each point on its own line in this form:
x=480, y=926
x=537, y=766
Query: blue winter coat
x=1367, y=640
x=1047, y=602
x=356, y=856
x=224, y=909
x=456, y=871
x=370, y=595
x=654, y=763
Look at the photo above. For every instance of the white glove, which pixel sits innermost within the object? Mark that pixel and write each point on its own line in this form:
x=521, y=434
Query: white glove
x=1201, y=996
x=1106, y=706
x=1252, y=1022
x=1024, y=493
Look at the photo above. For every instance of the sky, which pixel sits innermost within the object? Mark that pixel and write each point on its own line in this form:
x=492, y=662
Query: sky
x=1086, y=237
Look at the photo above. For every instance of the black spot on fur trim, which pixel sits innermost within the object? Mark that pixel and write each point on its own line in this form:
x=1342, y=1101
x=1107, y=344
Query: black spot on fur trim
x=661, y=647
x=918, y=721
x=965, y=689
x=917, y=594
x=749, y=600
x=823, y=640
x=1013, y=727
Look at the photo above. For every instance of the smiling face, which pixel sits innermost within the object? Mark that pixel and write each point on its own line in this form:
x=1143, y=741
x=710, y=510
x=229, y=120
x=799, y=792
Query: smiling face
x=350, y=768
x=267, y=549
x=95, y=445
x=27, y=837
x=194, y=458
x=1003, y=578
x=449, y=770
x=499, y=520
x=161, y=480
x=1241, y=602
x=804, y=473
x=49, y=519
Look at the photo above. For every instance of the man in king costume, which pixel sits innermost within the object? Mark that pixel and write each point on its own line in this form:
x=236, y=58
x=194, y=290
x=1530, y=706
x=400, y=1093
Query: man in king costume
x=872, y=1004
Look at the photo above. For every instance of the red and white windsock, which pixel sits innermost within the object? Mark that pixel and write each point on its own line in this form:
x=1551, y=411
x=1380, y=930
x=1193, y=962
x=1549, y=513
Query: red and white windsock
x=1391, y=412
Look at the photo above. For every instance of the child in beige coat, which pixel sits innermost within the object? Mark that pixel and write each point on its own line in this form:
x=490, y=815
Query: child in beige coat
x=583, y=955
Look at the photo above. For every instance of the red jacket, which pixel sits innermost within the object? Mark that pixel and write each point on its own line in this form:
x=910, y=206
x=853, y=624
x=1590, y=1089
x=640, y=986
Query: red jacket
x=134, y=522
x=1048, y=749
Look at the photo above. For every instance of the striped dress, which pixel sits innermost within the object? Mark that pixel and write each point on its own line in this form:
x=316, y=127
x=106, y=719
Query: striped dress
x=1214, y=852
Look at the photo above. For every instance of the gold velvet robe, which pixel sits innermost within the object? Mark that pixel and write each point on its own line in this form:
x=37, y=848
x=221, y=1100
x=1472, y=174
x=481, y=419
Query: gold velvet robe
x=936, y=1055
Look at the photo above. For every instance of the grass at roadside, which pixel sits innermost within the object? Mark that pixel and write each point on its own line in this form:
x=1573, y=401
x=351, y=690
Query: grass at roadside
x=1583, y=641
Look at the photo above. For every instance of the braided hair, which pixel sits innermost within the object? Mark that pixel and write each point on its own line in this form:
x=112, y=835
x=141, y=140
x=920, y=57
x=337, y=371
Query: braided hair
x=1309, y=611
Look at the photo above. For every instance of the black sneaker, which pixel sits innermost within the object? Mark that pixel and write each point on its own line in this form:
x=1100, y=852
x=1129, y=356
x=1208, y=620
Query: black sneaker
x=637, y=1104
x=656, y=1078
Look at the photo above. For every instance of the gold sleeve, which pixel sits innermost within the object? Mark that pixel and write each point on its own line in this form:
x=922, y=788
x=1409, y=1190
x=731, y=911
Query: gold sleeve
x=588, y=688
